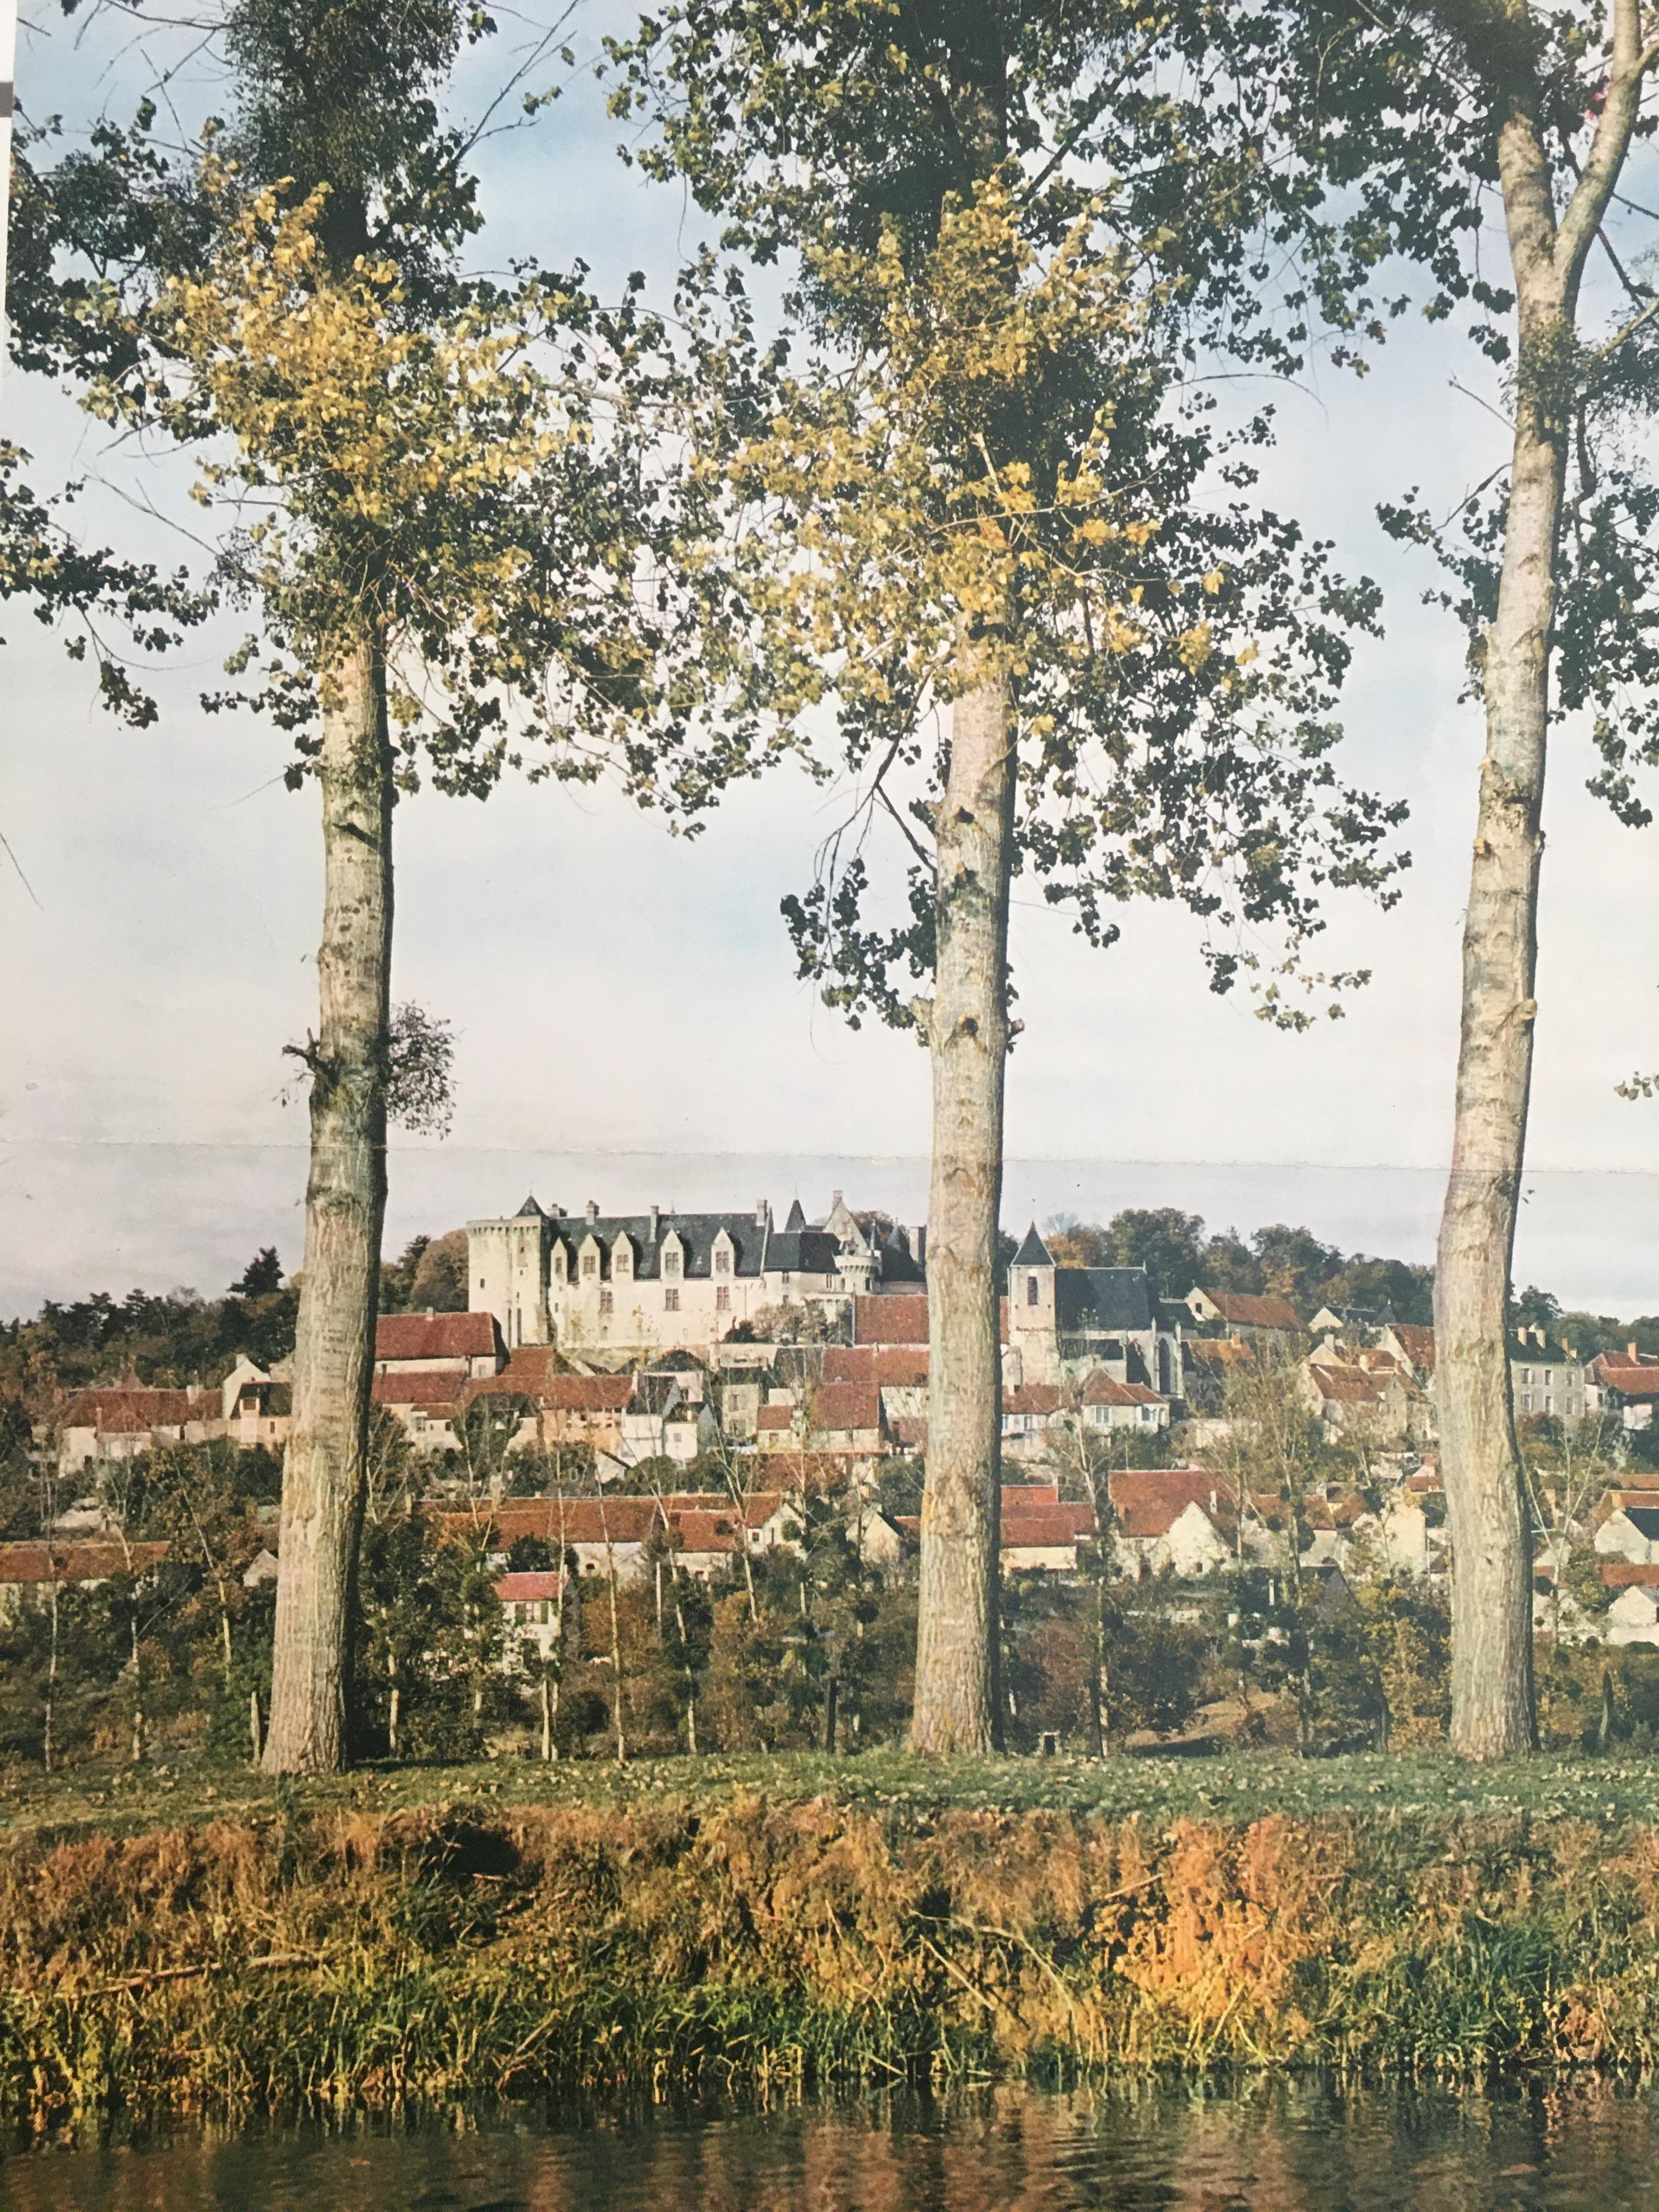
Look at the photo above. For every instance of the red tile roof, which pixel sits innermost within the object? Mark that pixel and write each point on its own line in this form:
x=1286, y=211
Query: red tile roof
x=899, y=1318
x=1103, y=1389
x=1044, y=1528
x=1347, y=1386
x=1017, y=1496
x=1241, y=1310
x=1416, y=1342
x=775, y=1417
x=1625, y=1574
x=525, y=1589
x=579, y=1520
x=435, y=1336
x=1216, y=1351
x=1034, y=1398
x=897, y=1366
x=1149, y=1501
x=554, y=1393
x=90, y=1562
x=122, y=1411
x=845, y=1407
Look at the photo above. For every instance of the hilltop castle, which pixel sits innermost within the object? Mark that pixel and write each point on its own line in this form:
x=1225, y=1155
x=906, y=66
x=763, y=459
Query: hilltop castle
x=659, y=1281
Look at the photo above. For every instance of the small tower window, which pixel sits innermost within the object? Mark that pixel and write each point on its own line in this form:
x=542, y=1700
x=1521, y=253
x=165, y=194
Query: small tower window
x=1032, y=1293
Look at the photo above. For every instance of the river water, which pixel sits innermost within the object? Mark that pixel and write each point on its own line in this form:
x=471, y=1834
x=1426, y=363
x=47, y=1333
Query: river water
x=1274, y=2149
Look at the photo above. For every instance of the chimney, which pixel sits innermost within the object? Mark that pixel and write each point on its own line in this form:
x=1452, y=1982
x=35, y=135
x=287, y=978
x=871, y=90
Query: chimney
x=656, y=1218
x=1634, y=1353
x=592, y=1211
x=1541, y=1339
x=762, y=1212
x=1523, y=1334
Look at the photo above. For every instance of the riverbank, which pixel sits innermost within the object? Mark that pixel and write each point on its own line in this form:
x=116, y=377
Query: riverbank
x=326, y=1948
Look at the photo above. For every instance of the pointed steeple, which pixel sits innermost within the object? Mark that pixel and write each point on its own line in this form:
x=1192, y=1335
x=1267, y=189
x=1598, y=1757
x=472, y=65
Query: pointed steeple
x=530, y=1208
x=797, y=1219
x=1033, y=1252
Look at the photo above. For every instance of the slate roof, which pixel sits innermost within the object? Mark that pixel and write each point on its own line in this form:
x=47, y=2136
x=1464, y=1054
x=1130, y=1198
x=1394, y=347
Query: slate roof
x=1102, y=1300
x=797, y=1219
x=1644, y=1519
x=530, y=1210
x=756, y=1249
x=1033, y=1252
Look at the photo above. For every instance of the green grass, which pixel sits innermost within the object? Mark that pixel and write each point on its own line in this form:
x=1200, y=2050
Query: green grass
x=1240, y=1788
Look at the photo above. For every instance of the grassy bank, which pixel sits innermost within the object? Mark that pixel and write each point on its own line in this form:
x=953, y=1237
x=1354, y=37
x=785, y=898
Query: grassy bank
x=334, y=1947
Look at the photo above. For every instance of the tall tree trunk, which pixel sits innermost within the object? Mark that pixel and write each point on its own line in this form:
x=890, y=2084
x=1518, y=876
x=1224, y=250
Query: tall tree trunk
x=324, y=1469
x=955, y=1706
x=1492, y=1712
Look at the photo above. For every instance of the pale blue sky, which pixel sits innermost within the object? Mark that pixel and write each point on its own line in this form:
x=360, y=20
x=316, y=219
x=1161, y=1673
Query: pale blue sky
x=629, y=1028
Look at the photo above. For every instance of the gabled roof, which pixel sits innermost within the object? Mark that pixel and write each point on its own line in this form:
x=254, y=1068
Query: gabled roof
x=526, y=1376
x=127, y=1411
x=1038, y=1399
x=1149, y=1501
x=1103, y=1389
x=525, y=1588
x=1644, y=1519
x=1347, y=1386
x=435, y=1336
x=1033, y=1252
x=1241, y=1310
x=1416, y=1342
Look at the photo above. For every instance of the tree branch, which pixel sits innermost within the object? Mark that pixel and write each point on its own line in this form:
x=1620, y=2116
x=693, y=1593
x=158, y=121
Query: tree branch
x=1631, y=63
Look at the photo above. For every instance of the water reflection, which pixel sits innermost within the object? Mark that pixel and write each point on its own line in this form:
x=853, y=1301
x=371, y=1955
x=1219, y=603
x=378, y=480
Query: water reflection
x=1272, y=2148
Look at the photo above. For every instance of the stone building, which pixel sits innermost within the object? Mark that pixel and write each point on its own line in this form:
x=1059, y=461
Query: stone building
x=619, y=1284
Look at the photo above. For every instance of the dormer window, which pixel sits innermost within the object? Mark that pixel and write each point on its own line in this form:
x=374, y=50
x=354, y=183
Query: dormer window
x=671, y=1266
x=722, y=1260
x=621, y=1261
x=590, y=1263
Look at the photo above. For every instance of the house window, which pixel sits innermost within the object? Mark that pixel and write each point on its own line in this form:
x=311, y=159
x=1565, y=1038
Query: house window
x=722, y=1263
x=670, y=1301
x=1549, y=1376
x=1549, y=1405
x=671, y=1266
x=1032, y=1291
x=590, y=1263
x=605, y=1302
x=1526, y=1374
x=1526, y=1402
x=722, y=1298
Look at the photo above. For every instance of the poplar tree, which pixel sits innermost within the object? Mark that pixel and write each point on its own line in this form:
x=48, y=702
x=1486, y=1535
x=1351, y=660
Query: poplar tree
x=993, y=522
x=1532, y=113
x=444, y=515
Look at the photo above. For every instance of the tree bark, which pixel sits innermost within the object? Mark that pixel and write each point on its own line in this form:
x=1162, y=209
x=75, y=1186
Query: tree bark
x=956, y=1708
x=1492, y=1708
x=324, y=1469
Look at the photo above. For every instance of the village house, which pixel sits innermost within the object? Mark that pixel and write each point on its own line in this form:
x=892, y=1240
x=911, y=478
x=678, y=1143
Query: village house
x=1040, y=1532
x=1246, y=1316
x=532, y=1611
x=1173, y=1517
x=1627, y=1527
x=30, y=1571
x=846, y=1418
x=1412, y=1345
x=118, y=1421
x=1633, y=1615
x=1109, y=1404
x=439, y=1351
x=1351, y=1320
x=1545, y=1378
x=1206, y=1364
x=1029, y=1414
x=1626, y=1383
